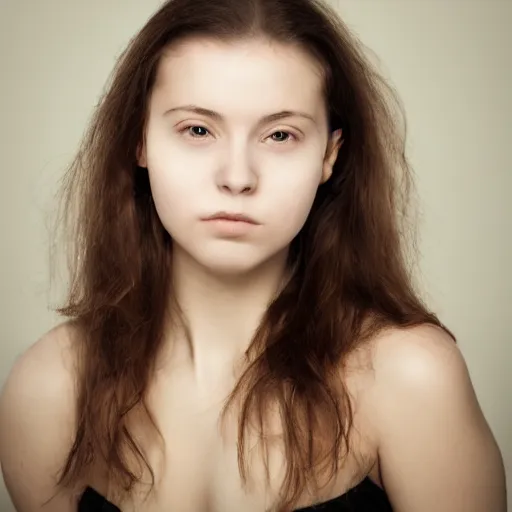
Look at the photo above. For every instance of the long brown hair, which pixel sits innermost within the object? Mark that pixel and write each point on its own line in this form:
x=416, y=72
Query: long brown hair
x=352, y=274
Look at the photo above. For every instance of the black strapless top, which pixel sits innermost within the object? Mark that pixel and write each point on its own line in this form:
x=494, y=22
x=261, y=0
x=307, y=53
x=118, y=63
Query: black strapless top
x=365, y=497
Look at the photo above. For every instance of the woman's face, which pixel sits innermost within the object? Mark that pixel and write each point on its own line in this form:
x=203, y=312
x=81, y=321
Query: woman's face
x=238, y=128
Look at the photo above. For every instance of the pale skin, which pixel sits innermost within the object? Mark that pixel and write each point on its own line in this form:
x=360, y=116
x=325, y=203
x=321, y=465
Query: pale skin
x=423, y=436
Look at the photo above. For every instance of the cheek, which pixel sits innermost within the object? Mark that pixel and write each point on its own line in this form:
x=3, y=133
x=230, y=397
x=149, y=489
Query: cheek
x=176, y=185
x=172, y=195
x=292, y=201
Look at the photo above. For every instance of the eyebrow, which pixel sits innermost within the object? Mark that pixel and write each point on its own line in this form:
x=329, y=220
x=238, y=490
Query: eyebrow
x=219, y=117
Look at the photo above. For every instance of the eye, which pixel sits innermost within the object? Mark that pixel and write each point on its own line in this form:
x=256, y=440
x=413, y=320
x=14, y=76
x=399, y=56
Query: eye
x=200, y=132
x=196, y=131
x=283, y=136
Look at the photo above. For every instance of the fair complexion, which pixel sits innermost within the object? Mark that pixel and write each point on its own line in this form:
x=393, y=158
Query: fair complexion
x=435, y=448
x=252, y=139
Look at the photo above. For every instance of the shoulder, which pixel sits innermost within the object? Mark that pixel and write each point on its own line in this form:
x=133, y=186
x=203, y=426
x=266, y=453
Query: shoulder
x=37, y=405
x=44, y=371
x=405, y=364
x=420, y=357
x=432, y=437
x=54, y=350
x=420, y=370
x=43, y=374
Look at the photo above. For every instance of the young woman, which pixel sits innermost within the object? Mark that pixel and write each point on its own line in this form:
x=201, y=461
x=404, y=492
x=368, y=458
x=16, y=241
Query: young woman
x=242, y=330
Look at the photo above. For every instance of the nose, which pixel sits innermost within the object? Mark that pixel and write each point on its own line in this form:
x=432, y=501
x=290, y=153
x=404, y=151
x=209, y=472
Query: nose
x=236, y=175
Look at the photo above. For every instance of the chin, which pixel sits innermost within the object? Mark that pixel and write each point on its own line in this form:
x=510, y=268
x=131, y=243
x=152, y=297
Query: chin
x=237, y=263
x=230, y=260
x=231, y=267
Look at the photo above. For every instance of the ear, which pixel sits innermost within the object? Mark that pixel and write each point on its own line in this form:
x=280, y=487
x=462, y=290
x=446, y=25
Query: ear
x=331, y=154
x=141, y=155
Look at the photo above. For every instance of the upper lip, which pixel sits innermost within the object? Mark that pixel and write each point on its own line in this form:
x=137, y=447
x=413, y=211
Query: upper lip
x=240, y=217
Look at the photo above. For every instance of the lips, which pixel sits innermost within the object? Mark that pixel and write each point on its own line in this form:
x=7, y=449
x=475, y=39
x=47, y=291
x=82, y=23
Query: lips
x=229, y=216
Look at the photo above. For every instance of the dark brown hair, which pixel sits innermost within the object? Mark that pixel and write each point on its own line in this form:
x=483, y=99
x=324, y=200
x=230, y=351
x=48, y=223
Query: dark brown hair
x=352, y=274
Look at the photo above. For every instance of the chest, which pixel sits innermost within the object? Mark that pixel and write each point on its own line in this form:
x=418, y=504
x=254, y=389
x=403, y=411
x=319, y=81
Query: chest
x=195, y=462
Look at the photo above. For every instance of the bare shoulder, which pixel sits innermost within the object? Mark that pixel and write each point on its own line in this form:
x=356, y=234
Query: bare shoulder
x=45, y=371
x=416, y=351
x=37, y=420
x=409, y=360
x=53, y=352
x=430, y=427
x=420, y=365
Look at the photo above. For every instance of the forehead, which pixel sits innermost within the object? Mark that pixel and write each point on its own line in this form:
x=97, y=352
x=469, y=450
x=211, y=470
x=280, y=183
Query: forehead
x=239, y=76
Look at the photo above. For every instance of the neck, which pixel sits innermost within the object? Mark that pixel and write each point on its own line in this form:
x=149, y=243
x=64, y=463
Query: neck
x=222, y=312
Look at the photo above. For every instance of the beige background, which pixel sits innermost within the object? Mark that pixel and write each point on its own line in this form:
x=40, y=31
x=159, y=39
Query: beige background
x=450, y=61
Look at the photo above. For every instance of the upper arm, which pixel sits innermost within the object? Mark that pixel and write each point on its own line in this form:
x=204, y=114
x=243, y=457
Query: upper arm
x=37, y=424
x=436, y=449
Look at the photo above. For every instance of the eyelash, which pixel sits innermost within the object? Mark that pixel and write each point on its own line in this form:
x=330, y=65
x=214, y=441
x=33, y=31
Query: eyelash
x=187, y=128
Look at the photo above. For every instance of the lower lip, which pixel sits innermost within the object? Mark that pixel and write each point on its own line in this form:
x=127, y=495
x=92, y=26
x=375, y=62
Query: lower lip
x=231, y=228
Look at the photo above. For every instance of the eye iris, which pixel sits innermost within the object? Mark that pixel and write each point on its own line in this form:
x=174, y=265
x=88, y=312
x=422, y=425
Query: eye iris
x=196, y=131
x=283, y=137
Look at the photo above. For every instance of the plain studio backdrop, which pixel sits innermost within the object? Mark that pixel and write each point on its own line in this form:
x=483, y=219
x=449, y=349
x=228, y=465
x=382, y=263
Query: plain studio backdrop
x=450, y=61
